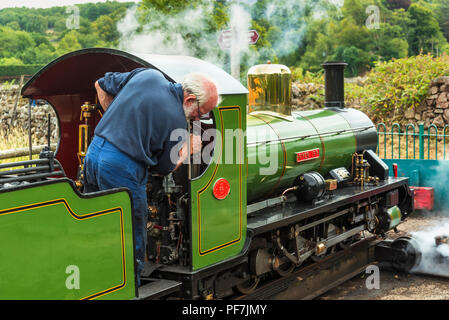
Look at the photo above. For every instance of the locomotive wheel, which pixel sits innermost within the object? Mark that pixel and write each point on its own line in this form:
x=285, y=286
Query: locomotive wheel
x=285, y=269
x=248, y=286
x=413, y=256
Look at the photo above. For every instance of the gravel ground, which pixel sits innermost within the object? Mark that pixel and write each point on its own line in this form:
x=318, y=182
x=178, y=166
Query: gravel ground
x=394, y=285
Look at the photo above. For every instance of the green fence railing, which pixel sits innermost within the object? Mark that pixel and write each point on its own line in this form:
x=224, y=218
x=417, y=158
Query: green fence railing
x=418, y=142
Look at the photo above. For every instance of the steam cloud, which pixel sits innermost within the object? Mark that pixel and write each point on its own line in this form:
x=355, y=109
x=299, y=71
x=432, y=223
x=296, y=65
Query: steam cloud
x=169, y=33
x=435, y=259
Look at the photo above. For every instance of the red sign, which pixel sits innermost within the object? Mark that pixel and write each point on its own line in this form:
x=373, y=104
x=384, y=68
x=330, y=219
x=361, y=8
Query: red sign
x=307, y=155
x=221, y=189
x=253, y=36
x=225, y=38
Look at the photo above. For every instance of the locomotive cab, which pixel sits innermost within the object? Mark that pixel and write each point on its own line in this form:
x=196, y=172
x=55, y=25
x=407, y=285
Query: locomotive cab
x=177, y=217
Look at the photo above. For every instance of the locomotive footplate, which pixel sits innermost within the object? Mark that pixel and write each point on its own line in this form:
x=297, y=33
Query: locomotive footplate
x=270, y=218
x=157, y=288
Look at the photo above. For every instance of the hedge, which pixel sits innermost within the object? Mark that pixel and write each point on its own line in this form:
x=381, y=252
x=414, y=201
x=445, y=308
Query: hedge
x=18, y=70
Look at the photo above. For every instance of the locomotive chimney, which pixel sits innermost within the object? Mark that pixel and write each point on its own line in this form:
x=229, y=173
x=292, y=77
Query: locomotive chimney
x=334, y=84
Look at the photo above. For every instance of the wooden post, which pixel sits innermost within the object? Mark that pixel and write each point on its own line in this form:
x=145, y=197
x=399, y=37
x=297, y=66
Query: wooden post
x=17, y=100
x=29, y=130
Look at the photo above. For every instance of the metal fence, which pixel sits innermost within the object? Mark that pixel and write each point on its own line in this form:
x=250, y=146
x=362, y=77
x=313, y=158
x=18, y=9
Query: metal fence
x=410, y=142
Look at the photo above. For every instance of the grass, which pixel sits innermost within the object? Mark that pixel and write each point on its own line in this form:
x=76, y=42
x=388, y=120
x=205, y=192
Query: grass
x=15, y=139
x=435, y=149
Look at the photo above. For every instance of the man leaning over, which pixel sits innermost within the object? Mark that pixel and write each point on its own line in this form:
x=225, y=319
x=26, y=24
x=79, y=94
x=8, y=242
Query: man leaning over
x=142, y=108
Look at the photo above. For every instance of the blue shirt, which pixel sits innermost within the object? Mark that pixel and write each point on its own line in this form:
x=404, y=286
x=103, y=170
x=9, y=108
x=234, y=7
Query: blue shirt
x=146, y=109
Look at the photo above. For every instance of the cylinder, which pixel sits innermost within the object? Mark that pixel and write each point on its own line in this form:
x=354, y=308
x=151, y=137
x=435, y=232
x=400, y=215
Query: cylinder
x=334, y=83
x=270, y=88
x=311, y=186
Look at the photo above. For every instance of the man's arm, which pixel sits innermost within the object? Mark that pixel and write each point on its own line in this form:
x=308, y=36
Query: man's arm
x=110, y=85
x=195, y=147
x=104, y=98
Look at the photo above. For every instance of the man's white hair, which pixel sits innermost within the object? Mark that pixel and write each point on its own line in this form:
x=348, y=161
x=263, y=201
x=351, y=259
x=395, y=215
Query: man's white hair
x=195, y=83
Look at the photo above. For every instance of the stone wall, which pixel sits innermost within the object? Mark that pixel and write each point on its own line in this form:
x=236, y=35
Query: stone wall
x=304, y=96
x=435, y=108
x=432, y=110
x=309, y=96
x=39, y=116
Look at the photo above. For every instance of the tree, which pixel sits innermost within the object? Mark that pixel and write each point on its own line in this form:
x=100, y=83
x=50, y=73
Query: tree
x=34, y=23
x=319, y=44
x=388, y=42
x=442, y=14
x=13, y=25
x=14, y=42
x=106, y=29
x=425, y=32
x=171, y=6
x=358, y=60
x=44, y=54
x=69, y=43
x=399, y=4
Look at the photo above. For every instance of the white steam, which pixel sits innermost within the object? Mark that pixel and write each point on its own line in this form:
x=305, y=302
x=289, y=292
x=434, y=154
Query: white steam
x=434, y=259
x=154, y=39
x=240, y=25
x=176, y=33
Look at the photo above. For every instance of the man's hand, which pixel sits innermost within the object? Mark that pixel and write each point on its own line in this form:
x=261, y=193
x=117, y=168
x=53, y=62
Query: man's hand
x=104, y=98
x=195, y=147
x=195, y=144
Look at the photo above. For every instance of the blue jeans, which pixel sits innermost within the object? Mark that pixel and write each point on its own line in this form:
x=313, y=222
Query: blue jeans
x=106, y=167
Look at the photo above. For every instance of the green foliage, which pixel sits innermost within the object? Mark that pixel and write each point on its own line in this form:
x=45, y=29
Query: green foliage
x=441, y=11
x=10, y=61
x=69, y=43
x=106, y=29
x=13, y=70
x=393, y=87
x=14, y=43
x=296, y=33
x=425, y=34
x=400, y=33
x=357, y=59
x=170, y=6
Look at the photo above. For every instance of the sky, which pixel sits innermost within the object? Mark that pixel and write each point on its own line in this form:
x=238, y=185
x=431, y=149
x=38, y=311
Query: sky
x=48, y=3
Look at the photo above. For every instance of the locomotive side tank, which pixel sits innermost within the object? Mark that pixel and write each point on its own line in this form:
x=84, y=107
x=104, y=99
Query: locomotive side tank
x=283, y=145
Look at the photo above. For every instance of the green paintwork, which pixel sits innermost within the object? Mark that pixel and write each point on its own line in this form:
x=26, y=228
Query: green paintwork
x=40, y=243
x=219, y=226
x=335, y=149
x=395, y=216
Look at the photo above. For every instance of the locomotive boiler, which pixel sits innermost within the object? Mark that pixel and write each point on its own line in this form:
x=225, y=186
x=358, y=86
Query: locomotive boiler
x=272, y=190
x=307, y=141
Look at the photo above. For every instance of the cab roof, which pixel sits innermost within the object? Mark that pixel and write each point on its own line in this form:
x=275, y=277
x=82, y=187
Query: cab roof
x=76, y=72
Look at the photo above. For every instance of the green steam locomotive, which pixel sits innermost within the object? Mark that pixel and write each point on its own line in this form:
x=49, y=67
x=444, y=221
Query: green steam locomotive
x=272, y=189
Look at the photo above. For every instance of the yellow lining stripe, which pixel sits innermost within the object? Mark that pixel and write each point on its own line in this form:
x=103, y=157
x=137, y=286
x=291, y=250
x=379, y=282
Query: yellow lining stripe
x=229, y=243
x=81, y=217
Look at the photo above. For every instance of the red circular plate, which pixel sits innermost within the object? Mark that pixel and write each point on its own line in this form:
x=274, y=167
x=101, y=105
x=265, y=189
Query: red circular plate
x=221, y=189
